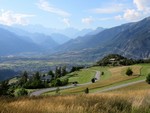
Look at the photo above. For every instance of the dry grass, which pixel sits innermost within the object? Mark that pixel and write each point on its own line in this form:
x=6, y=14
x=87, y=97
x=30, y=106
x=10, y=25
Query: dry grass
x=138, y=86
x=90, y=103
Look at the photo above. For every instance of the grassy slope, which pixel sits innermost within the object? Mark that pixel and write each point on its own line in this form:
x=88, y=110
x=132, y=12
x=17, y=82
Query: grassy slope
x=113, y=76
x=138, y=87
x=82, y=76
x=85, y=75
x=145, y=69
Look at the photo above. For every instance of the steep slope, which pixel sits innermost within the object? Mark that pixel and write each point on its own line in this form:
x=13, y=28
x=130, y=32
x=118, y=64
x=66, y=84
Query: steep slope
x=40, y=39
x=96, y=31
x=134, y=41
x=11, y=43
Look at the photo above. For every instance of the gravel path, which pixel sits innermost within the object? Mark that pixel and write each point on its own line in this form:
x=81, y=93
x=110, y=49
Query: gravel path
x=120, y=86
x=97, y=75
x=39, y=92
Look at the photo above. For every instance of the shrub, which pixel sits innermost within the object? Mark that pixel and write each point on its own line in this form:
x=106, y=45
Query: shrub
x=21, y=92
x=57, y=90
x=56, y=82
x=93, y=80
x=148, y=78
x=129, y=72
x=87, y=90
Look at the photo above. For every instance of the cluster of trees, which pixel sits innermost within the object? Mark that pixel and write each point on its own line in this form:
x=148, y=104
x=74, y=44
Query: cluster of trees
x=119, y=60
x=76, y=68
x=60, y=71
x=32, y=82
x=4, y=88
x=11, y=90
x=59, y=82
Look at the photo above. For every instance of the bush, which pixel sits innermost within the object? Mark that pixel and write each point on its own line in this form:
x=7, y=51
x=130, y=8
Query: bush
x=35, y=84
x=56, y=82
x=129, y=72
x=21, y=92
x=59, y=82
x=57, y=90
x=86, y=91
x=148, y=78
x=93, y=80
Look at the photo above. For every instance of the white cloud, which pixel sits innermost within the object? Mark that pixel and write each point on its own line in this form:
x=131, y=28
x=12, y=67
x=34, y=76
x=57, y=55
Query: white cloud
x=44, y=5
x=10, y=18
x=66, y=21
x=87, y=20
x=141, y=10
x=132, y=15
x=142, y=4
x=118, y=17
x=108, y=10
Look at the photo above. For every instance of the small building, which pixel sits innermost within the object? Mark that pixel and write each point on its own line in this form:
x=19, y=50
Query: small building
x=112, y=59
x=47, y=78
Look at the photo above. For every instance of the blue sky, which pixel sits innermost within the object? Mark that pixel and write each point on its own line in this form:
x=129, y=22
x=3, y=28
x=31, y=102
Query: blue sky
x=73, y=13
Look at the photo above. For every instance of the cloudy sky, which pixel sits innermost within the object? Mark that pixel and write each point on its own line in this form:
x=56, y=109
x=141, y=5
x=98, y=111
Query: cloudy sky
x=73, y=13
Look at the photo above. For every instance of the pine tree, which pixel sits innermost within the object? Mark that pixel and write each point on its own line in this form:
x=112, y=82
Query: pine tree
x=63, y=72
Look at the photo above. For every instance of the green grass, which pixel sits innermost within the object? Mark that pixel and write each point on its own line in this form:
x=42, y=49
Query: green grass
x=106, y=71
x=85, y=75
x=82, y=76
x=145, y=69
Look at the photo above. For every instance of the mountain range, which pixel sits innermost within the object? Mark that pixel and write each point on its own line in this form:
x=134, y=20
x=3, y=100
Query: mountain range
x=130, y=40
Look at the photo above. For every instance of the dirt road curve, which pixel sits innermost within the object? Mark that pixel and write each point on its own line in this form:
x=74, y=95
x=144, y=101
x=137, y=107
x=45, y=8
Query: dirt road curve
x=39, y=92
x=120, y=86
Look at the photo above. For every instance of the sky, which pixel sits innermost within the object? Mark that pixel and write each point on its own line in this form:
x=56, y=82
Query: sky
x=78, y=14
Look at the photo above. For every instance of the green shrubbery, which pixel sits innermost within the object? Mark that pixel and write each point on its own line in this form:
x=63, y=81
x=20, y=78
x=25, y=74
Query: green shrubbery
x=148, y=78
x=59, y=82
x=129, y=72
x=21, y=92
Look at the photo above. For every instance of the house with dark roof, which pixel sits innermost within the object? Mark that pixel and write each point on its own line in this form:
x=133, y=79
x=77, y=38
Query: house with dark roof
x=46, y=78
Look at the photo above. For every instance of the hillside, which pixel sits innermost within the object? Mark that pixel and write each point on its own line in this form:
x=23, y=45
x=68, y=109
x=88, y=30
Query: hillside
x=11, y=43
